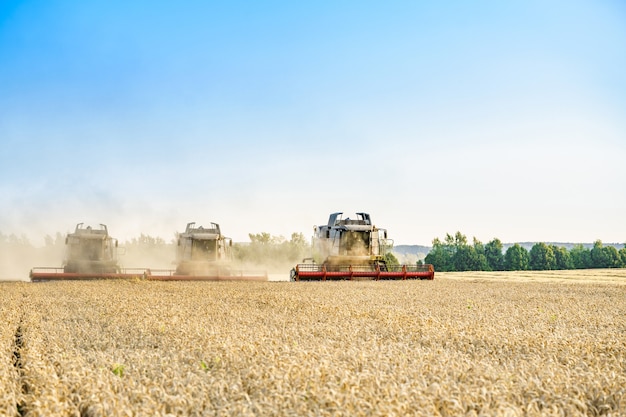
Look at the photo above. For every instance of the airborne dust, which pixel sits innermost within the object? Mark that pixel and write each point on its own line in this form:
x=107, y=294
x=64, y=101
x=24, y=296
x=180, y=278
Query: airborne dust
x=272, y=255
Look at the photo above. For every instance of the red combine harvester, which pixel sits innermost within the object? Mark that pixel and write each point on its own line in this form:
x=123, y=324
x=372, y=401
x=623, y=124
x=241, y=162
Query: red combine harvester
x=90, y=253
x=203, y=254
x=354, y=249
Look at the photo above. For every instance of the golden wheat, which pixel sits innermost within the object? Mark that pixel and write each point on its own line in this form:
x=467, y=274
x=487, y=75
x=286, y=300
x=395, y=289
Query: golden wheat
x=446, y=347
x=10, y=334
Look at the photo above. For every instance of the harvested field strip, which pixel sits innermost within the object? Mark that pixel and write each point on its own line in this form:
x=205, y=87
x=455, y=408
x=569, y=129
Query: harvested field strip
x=445, y=347
x=579, y=276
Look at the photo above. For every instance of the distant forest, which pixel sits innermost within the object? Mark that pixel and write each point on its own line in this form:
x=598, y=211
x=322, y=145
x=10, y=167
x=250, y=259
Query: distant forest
x=454, y=253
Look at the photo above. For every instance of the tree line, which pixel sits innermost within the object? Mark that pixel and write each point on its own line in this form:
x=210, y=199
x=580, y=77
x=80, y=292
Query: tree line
x=272, y=251
x=454, y=253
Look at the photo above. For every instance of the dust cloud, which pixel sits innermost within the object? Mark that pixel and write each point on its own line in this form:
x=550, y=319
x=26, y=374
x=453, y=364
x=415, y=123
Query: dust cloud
x=148, y=253
x=273, y=257
x=18, y=256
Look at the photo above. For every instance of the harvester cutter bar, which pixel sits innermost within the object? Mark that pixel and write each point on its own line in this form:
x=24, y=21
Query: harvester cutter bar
x=58, y=274
x=169, y=275
x=313, y=272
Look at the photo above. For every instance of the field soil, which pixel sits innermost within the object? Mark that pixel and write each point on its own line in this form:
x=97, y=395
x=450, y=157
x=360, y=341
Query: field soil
x=510, y=344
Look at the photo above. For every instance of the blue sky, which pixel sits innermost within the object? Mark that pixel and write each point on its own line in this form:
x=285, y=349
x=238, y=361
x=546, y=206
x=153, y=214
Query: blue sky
x=496, y=119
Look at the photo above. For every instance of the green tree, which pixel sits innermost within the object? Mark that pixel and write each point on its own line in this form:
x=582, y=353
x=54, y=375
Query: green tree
x=297, y=248
x=622, y=257
x=541, y=257
x=613, y=257
x=145, y=240
x=516, y=258
x=440, y=256
x=458, y=240
x=604, y=256
x=467, y=258
x=481, y=259
x=390, y=259
x=455, y=254
x=258, y=251
x=494, y=255
x=598, y=257
x=273, y=252
x=580, y=257
x=562, y=258
x=262, y=238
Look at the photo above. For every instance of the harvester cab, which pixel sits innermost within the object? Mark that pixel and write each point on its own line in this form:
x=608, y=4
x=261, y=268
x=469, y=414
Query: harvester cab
x=354, y=249
x=90, y=250
x=350, y=241
x=203, y=251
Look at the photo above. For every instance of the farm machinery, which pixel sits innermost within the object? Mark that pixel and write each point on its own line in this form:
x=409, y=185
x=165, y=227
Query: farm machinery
x=90, y=253
x=354, y=249
x=203, y=254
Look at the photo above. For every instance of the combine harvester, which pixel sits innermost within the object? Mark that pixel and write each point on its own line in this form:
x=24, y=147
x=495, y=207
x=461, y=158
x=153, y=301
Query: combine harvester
x=203, y=254
x=354, y=249
x=90, y=253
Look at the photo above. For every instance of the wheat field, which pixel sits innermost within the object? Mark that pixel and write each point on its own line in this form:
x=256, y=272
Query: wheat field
x=469, y=344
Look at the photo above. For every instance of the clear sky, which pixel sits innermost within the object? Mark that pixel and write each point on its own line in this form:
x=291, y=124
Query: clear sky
x=494, y=118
